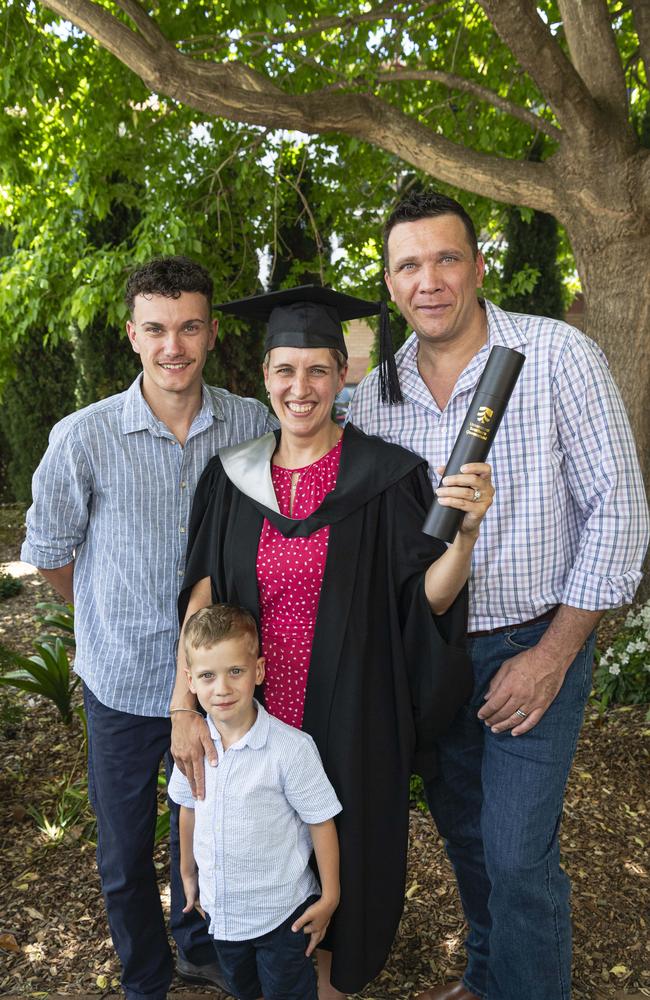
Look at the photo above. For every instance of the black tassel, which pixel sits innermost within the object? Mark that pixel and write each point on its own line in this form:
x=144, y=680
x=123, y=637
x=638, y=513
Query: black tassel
x=389, y=387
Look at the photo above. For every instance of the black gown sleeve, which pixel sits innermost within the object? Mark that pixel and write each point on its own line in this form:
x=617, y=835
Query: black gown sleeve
x=201, y=540
x=438, y=667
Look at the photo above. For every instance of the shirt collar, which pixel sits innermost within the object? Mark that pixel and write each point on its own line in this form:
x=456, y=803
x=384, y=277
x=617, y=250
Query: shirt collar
x=137, y=415
x=256, y=736
x=502, y=329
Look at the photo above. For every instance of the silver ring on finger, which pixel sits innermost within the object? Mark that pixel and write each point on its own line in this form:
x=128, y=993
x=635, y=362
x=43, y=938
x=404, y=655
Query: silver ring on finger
x=477, y=496
x=520, y=712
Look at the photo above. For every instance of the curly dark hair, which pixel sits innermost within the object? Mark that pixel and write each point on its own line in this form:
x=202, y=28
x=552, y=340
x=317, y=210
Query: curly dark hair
x=426, y=205
x=168, y=276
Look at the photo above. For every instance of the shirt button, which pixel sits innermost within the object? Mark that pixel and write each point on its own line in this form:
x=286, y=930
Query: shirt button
x=180, y=572
x=182, y=531
x=183, y=485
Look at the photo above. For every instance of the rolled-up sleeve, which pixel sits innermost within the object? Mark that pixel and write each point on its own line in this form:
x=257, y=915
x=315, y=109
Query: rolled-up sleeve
x=604, y=479
x=61, y=491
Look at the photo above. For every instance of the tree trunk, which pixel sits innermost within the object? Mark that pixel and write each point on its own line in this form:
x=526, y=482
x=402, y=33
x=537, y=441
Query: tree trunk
x=614, y=276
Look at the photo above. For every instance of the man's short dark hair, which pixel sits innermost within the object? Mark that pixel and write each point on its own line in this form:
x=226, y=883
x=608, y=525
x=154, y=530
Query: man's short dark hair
x=427, y=205
x=168, y=276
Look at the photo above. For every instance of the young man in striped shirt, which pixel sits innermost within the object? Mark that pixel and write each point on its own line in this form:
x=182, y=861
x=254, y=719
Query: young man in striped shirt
x=107, y=529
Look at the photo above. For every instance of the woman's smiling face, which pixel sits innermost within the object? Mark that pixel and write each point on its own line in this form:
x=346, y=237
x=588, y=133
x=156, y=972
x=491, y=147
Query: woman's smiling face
x=302, y=383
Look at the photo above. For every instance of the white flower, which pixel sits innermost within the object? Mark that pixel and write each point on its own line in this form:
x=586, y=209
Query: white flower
x=624, y=658
x=615, y=669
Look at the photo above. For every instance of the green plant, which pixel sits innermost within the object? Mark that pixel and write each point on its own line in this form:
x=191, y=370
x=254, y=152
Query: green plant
x=60, y=617
x=70, y=811
x=416, y=792
x=9, y=586
x=162, y=825
x=622, y=676
x=46, y=673
x=164, y=817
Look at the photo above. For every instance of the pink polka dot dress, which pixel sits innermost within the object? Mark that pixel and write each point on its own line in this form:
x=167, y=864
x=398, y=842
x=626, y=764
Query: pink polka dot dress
x=289, y=579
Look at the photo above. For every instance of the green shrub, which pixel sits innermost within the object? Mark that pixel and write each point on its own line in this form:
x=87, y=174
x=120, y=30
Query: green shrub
x=46, y=673
x=531, y=280
x=42, y=392
x=9, y=586
x=417, y=796
x=622, y=676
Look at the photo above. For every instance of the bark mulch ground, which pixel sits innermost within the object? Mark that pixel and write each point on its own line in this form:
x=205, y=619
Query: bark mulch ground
x=53, y=934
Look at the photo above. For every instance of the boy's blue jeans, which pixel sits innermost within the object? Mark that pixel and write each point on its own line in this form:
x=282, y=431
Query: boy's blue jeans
x=498, y=803
x=124, y=754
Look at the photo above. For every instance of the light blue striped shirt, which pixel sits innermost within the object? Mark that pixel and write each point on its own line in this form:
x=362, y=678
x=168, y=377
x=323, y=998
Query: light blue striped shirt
x=569, y=523
x=113, y=492
x=251, y=840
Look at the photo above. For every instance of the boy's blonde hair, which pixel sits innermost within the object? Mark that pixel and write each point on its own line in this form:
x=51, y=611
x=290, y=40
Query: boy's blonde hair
x=215, y=623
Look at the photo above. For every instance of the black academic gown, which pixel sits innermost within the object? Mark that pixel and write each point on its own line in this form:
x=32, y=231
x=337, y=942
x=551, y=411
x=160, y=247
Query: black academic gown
x=386, y=676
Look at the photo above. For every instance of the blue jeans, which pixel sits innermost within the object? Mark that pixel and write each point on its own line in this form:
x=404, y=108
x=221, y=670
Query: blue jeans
x=124, y=754
x=497, y=802
x=273, y=965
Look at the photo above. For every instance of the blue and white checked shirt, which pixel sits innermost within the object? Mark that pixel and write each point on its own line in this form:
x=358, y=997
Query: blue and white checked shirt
x=569, y=523
x=113, y=492
x=251, y=842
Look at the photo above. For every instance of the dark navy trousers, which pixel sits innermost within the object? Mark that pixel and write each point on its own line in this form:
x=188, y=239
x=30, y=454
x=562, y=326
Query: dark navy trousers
x=124, y=755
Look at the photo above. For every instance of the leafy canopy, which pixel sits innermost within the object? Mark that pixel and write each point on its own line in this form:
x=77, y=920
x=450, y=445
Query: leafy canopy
x=82, y=137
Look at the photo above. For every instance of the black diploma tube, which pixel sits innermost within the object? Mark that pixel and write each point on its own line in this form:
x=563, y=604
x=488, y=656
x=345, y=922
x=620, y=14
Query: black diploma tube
x=477, y=433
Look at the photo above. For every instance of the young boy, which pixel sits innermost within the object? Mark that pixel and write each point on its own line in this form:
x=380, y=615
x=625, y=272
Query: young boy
x=247, y=844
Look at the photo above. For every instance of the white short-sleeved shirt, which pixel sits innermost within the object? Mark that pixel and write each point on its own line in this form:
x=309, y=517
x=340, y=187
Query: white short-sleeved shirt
x=251, y=840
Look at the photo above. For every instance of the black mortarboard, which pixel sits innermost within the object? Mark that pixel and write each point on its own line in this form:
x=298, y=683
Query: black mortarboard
x=311, y=316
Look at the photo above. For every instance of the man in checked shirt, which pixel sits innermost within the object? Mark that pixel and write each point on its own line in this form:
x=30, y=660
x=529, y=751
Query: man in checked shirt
x=564, y=541
x=107, y=530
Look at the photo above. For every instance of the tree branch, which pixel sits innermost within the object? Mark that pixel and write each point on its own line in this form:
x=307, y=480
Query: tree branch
x=510, y=181
x=101, y=25
x=455, y=82
x=146, y=26
x=594, y=54
x=235, y=92
x=641, y=14
x=521, y=28
x=131, y=48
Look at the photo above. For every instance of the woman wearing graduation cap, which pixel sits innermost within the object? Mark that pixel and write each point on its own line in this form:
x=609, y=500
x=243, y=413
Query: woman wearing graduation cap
x=317, y=530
